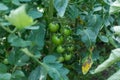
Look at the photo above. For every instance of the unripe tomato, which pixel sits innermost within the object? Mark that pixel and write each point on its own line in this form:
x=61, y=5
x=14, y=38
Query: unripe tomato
x=60, y=49
x=5, y=61
x=53, y=27
x=61, y=59
x=70, y=48
x=57, y=39
x=19, y=18
x=68, y=57
x=66, y=31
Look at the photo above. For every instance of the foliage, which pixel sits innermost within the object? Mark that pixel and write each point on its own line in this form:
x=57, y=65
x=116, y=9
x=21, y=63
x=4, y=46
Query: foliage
x=59, y=39
x=114, y=56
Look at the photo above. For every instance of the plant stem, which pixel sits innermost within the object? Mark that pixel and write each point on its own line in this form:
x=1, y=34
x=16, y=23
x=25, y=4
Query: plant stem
x=50, y=10
x=14, y=68
x=27, y=52
x=8, y=29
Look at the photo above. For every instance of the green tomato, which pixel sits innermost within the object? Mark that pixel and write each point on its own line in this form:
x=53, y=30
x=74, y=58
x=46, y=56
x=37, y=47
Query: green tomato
x=66, y=31
x=60, y=49
x=68, y=57
x=5, y=61
x=57, y=39
x=70, y=48
x=61, y=59
x=19, y=18
x=53, y=27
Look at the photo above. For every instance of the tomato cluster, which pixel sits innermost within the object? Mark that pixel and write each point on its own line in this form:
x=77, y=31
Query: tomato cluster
x=61, y=38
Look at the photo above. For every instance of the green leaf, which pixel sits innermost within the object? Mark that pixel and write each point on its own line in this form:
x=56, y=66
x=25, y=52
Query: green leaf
x=18, y=42
x=95, y=55
x=72, y=12
x=58, y=74
x=55, y=70
x=24, y=0
x=77, y=67
x=38, y=74
x=114, y=57
x=60, y=6
x=34, y=13
x=88, y=37
x=6, y=76
x=3, y=68
x=16, y=2
x=115, y=76
x=103, y=38
x=37, y=36
x=95, y=23
x=22, y=60
x=49, y=59
x=3, y=7
x=17, y=58
x=108, y=20
x=18, y=74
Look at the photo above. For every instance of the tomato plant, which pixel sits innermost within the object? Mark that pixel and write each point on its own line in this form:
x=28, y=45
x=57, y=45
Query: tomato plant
x=59, y=39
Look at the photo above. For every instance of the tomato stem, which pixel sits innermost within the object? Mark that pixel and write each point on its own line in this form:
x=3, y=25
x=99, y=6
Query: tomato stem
x=14, y=68
x=28, y=53
x=50, y=10
x=8, y=29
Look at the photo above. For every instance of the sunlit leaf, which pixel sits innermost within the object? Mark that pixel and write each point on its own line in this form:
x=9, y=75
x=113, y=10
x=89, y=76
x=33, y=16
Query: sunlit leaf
x=3, y=7
x=20, y=18
x=60, y=6
x=116, y=29
x=115, y=76
x=115, y=7
x=114, y=56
